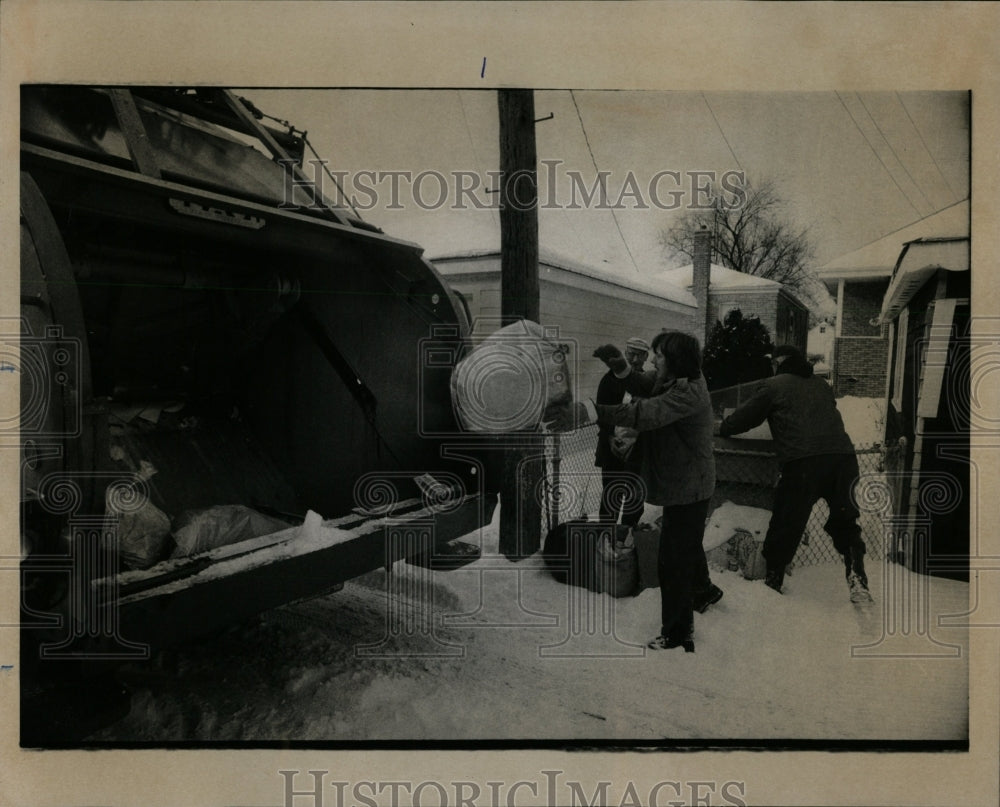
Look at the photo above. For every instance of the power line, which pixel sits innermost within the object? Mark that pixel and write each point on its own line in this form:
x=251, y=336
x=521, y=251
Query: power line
x=597, y=172
x=475, y=153
x=894, y=154
x=911, y=223
x=715, y=217
x=881, y=161
x=951, y=190
x=721, y=132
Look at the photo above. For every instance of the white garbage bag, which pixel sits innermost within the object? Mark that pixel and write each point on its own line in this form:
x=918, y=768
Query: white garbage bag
x=507, y=383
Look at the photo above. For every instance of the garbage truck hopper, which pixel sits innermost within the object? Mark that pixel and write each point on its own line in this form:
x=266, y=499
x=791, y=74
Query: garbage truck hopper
x=202, y=328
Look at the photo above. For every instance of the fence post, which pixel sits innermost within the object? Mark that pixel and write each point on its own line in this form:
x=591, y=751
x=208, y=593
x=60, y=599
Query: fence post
x=554, y=514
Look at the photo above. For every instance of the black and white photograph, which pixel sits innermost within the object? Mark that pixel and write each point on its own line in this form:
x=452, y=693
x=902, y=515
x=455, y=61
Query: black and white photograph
x=553, y=417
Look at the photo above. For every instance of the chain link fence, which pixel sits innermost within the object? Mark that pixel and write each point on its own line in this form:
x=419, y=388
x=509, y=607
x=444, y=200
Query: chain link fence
x=572, y=489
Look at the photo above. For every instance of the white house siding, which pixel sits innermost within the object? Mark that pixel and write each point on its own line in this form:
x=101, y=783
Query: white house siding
x=591, y=318
x=587, y=310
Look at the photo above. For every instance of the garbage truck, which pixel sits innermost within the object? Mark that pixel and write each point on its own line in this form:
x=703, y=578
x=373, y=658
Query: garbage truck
x=209, y=337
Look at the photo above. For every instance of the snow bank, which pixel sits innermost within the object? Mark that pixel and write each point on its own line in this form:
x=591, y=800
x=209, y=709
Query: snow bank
x=864, y=419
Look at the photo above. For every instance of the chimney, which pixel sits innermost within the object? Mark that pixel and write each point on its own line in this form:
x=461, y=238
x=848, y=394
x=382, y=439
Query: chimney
x=701, y=277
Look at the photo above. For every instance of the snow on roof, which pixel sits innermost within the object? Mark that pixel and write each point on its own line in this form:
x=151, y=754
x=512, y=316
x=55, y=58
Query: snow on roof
x=720, y=278
x=918, y=262
x=653, y=285
x=879, y=257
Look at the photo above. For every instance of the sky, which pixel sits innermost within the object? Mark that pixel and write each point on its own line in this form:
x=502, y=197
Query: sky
x=852, y=167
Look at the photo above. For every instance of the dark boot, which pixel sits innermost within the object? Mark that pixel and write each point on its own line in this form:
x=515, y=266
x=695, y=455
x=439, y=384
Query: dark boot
x=774, y=578
x=687, y=644
x=679, y=635
x=703, y=599
x=668, y=643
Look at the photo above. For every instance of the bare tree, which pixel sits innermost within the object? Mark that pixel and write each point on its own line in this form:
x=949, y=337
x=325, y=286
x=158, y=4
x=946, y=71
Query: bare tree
x=754, y=237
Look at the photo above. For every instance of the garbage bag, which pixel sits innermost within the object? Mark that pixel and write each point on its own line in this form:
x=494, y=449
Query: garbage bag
x=617, y=568
x=509, y=381
x=583, y=553
x=568, y=550
x=198, y=531
x=142, y=534
x=734, y=538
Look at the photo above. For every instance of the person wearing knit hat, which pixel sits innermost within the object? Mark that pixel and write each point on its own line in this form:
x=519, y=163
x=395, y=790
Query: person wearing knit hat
x=616, y=469
x=637, y=346
x=817, y=461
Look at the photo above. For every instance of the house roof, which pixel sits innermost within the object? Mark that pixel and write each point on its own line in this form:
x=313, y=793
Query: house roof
x=917, y=263
x=720, y=279
x=877, y=259
x=645, y=284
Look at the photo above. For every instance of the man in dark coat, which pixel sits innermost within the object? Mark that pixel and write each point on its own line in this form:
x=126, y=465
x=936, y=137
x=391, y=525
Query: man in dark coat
x=817, y=461
x=619, y=488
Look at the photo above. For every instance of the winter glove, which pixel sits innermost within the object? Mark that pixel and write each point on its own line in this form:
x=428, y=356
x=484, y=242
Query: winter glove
x=612, y=357
x=722, y=427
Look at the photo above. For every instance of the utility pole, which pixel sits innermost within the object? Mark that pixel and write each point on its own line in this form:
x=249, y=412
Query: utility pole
x=520, y=510
x=518, y=207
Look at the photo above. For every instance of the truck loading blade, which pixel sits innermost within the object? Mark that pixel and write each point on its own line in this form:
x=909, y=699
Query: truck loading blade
x=214, y=592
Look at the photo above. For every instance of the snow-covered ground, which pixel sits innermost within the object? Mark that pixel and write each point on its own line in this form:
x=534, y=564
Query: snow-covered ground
x=498, y=650
x=864, y=419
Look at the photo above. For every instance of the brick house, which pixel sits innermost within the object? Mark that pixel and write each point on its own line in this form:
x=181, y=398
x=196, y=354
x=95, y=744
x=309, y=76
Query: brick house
x=858, y=281
x=718, y=290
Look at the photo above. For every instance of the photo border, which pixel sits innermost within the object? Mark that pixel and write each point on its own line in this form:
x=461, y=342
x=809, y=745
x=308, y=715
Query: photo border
x=669, y=46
